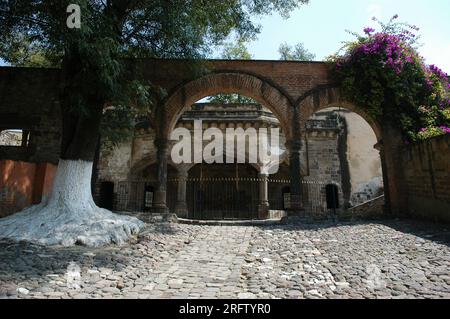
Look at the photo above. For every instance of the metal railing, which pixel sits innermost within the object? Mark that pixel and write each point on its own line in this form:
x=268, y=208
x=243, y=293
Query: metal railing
x=221, y=198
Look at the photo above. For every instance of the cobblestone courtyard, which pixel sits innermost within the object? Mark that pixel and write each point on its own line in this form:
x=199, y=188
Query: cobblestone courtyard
x=392, y=259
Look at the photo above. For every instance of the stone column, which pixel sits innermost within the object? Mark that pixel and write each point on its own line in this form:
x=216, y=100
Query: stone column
x=294, y=146
x=391, y=152
x=263, y=205
x=296, y=205
x=159, y=201
x=181, y=208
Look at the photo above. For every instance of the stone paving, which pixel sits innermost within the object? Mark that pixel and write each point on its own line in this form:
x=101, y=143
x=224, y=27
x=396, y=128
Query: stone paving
x=390, y=259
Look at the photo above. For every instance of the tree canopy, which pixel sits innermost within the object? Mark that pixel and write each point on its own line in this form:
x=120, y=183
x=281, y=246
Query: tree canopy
x=236, y=51
x=295, y=53
x=137, y=28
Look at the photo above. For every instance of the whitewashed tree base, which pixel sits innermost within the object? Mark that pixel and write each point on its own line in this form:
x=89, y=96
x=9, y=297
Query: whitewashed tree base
x=69, y=216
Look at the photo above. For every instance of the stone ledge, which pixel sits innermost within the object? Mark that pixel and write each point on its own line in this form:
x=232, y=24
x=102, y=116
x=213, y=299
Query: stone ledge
x=152, y=218
x=267, y=222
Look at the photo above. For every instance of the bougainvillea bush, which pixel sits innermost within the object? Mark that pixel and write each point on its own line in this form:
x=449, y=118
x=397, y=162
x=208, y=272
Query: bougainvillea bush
x=384, y=73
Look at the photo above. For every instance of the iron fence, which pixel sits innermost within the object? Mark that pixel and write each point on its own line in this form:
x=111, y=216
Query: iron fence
x=221, y=198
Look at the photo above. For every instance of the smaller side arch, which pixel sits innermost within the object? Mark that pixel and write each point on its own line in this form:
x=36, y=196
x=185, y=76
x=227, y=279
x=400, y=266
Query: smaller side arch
x=323, y=98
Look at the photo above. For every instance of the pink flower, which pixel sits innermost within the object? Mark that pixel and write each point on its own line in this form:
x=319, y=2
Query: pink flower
x=369, y=30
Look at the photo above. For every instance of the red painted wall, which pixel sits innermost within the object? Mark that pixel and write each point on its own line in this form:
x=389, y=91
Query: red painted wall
x=23, y=184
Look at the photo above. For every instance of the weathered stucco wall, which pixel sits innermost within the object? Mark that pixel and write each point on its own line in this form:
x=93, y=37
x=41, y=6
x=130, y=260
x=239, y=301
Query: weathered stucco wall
x=427, y=175
x=364, y=159
x=364, y=163
x=23, y=184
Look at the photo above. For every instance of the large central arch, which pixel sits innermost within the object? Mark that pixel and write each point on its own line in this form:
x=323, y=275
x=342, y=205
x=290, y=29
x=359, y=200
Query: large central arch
x=226, y=82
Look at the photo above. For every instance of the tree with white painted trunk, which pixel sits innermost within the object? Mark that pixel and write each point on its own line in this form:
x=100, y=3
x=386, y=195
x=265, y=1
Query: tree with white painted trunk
x=92, y=53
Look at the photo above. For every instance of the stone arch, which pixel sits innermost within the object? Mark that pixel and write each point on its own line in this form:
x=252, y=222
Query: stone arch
x=323, y=98
x=227, y=82
x=137, y=167
x=389, y=141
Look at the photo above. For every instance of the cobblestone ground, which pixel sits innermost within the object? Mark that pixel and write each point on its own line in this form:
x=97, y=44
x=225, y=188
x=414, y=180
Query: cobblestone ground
x=392, y=259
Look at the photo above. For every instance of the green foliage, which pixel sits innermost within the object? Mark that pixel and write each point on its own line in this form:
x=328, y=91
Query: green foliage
x=431, y=132
x=231, y=99
x=295, y=53
x=21, y=51
x=236, y=51
x=118, y=120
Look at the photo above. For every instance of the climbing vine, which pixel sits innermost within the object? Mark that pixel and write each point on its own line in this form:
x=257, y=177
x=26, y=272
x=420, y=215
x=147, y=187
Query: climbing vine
x=383, y=72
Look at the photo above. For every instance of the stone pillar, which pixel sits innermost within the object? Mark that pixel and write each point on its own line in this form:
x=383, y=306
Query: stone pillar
x=294, y=146
x=263, y=205
x=391, y=152
x=296, y=204
x=181, y=209
x=159, y=201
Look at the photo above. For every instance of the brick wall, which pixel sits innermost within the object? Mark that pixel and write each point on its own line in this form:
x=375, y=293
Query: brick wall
x=323, y=157
x=427, y=175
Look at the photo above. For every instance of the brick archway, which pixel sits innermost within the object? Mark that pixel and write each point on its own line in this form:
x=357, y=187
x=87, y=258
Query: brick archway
x=388, y=137
x=227, y=82
x=324, y=98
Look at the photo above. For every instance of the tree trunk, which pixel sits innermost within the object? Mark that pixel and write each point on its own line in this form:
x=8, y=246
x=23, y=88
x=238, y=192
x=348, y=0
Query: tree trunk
x=70, y=216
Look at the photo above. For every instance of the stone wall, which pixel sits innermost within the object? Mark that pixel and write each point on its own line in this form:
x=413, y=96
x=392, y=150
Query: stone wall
x=323, y=157
x=372, y=209
x=114, y=165
x=427, y=174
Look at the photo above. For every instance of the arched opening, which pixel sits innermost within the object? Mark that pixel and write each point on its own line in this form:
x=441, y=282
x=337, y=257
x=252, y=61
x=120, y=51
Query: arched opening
x=14, y=137
x=213, y=84
x=137, y=193
x=342, y=151
x=228, y=184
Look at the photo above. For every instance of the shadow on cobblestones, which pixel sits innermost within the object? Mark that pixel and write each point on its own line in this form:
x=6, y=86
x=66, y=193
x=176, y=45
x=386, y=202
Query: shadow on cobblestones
x=28, y=258
x=439, y=233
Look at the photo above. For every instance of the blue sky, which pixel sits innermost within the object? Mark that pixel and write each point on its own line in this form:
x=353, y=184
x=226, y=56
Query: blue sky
x=321, y=26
